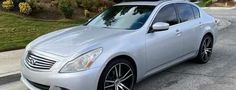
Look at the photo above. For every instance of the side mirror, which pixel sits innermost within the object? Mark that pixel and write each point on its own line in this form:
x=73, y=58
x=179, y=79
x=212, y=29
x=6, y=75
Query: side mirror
x=160, y=26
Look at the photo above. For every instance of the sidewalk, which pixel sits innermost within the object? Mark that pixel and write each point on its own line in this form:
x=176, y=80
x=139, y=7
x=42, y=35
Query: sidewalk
x=10, y=65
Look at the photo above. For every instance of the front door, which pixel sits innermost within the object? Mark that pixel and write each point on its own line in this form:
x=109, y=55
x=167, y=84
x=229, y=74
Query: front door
x=164, y=46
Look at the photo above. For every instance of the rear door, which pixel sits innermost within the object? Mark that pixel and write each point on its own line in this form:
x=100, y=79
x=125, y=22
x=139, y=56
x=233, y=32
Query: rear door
x=189, y=26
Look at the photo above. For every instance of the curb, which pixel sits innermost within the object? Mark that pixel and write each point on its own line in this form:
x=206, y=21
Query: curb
x=9, y=77
x=223, y=23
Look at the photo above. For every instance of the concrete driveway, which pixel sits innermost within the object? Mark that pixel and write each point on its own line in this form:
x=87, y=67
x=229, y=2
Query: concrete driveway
x=218, y=74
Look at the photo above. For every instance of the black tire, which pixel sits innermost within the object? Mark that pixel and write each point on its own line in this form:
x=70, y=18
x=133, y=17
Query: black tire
x=205, y=50
x=126, y=76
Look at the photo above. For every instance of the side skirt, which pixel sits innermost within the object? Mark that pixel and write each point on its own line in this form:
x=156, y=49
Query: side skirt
x=167, y=65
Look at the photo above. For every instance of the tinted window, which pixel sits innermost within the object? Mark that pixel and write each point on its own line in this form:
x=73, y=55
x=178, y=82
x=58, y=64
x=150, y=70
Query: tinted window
x=196, y=12
x=167, y=14
x=123, y=17
x=185, y=12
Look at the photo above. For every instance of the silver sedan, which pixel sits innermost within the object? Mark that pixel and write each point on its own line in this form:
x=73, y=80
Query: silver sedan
x=123, y=45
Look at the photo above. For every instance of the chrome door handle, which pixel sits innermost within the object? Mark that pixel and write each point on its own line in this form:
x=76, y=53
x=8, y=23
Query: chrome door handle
x=178, y=32
x=200, y=24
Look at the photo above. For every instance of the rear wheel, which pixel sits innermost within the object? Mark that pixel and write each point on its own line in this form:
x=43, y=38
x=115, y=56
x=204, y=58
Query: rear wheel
x=118, y=75
x=205, y=50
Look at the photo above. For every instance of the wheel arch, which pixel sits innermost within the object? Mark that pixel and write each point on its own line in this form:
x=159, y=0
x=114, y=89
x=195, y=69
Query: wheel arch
x=210, y=34
x=117, y=57
x=201, y=38
x=126, y=57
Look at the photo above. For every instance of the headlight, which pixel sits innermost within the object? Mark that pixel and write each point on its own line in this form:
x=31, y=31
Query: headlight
x=83, y=62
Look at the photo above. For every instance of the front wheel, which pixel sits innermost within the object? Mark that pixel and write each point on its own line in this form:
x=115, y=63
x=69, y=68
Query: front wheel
x=117, y=75
x=205, y=49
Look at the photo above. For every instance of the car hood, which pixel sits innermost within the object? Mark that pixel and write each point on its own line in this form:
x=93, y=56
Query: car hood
x=69, y=41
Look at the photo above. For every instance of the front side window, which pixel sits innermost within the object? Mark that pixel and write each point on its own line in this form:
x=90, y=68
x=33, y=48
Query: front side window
x=123, y=17
x=168, y=15
x=185, y=12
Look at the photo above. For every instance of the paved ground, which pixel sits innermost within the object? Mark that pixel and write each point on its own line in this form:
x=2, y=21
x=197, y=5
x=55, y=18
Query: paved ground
x=13, y=86
x=218, y=74
x=224, y=13
x=13, y=61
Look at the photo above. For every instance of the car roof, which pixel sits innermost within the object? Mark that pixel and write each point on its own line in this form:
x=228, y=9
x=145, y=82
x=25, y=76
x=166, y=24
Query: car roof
x=148, y=3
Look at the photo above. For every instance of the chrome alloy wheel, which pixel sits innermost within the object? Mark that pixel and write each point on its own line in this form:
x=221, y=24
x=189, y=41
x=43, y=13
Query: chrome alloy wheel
x=206, y=50
x=119, y=77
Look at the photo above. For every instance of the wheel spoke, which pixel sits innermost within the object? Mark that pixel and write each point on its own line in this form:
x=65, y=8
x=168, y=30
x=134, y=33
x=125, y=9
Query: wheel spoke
x=209, y=51
x=206, y=54
x=203, y=55
x=121, y=87
x=109, y=81
x=119, y=70
x=208, y=43
x=112, y=85
x=203, y=52
x=117, y=76
x=121, y=84
x=116, y=87
x=123, y=79
x=210, y=48
x=126, y=74
x=204, y=44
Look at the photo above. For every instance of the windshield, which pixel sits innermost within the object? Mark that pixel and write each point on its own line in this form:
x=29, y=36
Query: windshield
x=123, y=17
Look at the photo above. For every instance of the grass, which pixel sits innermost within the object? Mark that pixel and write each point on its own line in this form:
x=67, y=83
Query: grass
x=17, y=31
x=204, y=3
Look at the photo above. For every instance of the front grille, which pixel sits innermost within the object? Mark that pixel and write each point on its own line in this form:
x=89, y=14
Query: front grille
x=37, y=62
x=39, y=86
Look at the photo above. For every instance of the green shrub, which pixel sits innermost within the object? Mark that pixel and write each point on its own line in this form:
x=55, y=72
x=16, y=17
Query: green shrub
x=94, y=5
x=66, y=7
x=205, y=3
x=87, y=4
x=33, y=3
x=79, y=2
x=73, y=3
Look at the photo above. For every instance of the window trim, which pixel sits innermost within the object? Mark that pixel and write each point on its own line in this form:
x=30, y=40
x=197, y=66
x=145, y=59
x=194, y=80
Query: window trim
x=172, y=5
x=179, y=11
x=192, y=6
x=160, y=6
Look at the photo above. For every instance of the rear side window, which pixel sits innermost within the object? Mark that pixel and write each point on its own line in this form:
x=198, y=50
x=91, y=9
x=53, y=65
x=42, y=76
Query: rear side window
x=168, y=15
x=196, y=12
x=185, y=12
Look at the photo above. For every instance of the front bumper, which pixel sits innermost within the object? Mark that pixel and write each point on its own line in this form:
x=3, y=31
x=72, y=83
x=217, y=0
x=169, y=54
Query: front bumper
x=84, y=80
